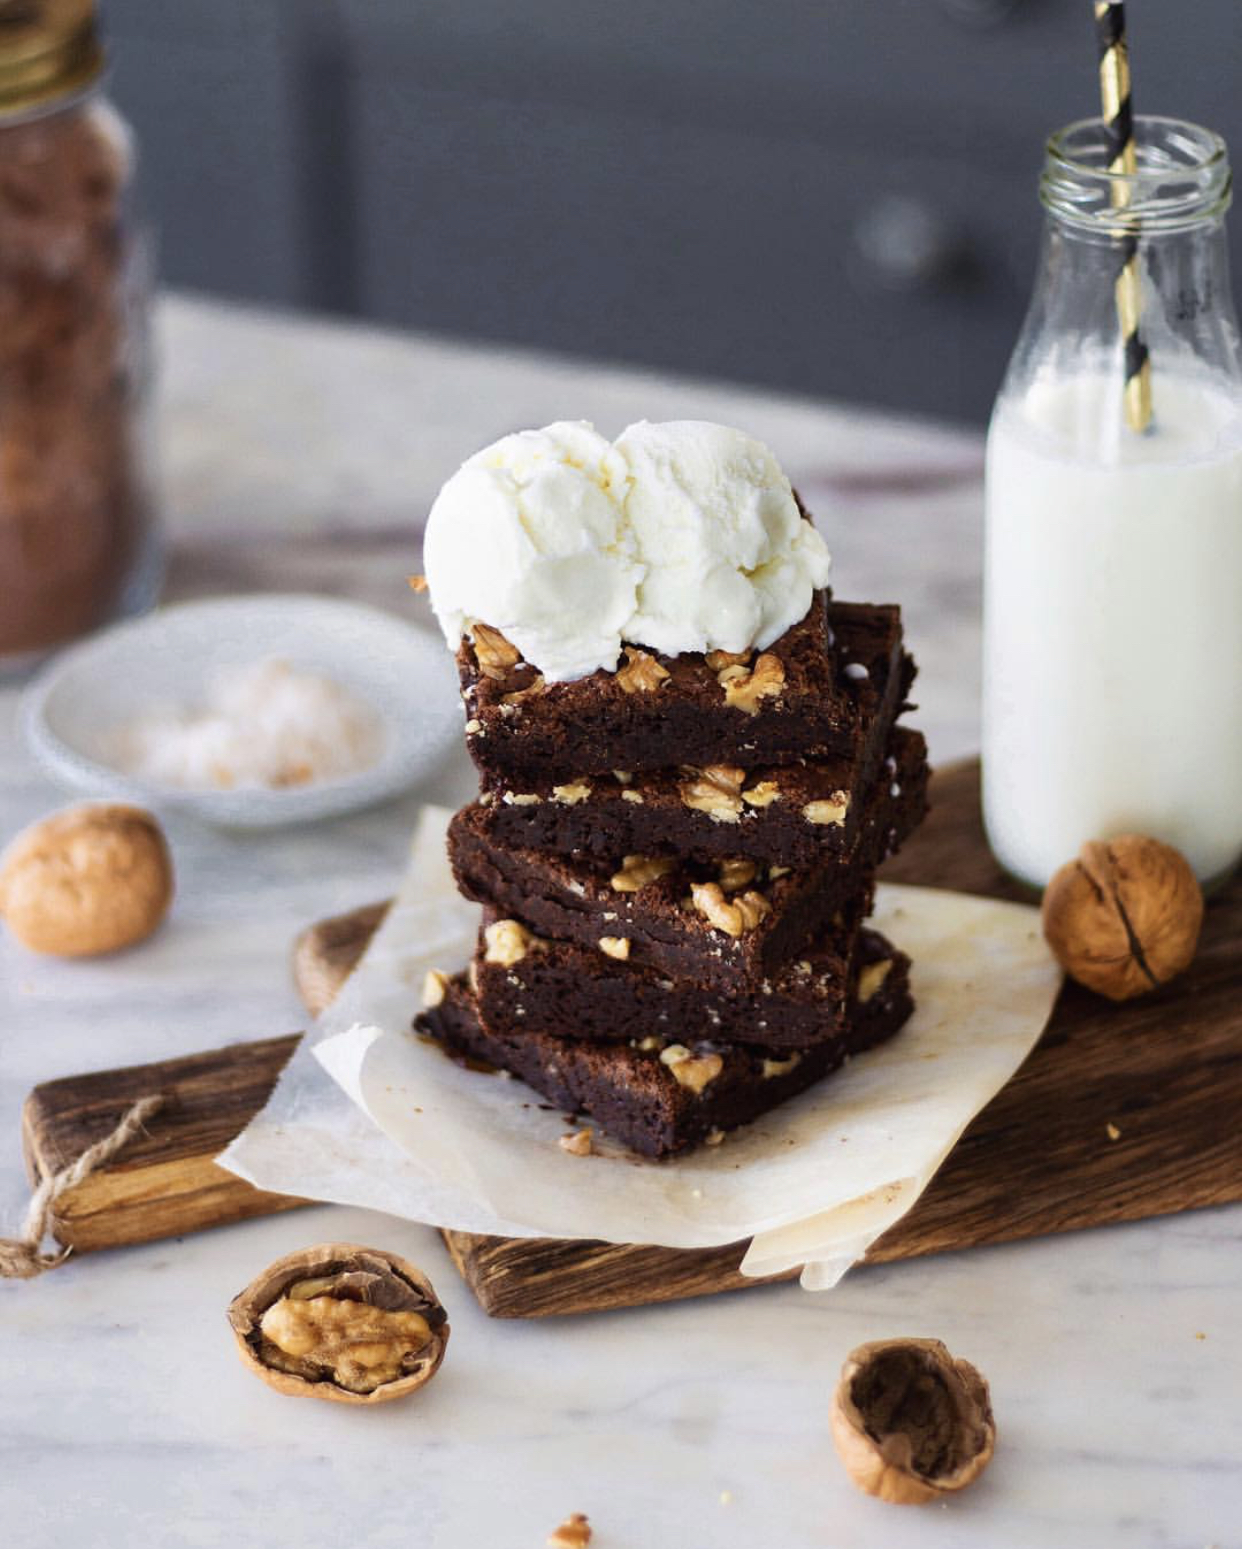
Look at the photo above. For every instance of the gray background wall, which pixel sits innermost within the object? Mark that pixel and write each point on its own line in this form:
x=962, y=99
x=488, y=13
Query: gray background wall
x=831, y=197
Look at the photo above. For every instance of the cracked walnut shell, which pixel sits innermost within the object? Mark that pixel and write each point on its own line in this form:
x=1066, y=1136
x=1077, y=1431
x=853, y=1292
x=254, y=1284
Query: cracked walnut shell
x=910, y=1421
x=87, y=880
x=350, y=1324
x=1124, y=917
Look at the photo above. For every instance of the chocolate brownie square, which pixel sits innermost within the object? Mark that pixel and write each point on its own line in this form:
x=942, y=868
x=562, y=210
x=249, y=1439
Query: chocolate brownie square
x=661, y=1098
x=728, y=923
x=524, y=983
x=788, y=813
x=797, y=699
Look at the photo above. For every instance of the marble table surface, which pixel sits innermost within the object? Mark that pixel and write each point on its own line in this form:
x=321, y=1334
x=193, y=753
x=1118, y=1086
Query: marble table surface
x=301, y=455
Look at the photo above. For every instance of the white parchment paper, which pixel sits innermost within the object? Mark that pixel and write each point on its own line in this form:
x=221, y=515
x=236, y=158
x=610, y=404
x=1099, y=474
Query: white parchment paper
x=367, y=1114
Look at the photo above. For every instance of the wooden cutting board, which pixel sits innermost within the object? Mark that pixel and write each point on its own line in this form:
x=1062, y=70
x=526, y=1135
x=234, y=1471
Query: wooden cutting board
x=1120, y=1112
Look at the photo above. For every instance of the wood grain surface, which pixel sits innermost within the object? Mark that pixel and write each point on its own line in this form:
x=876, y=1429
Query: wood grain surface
x=1120, y=1112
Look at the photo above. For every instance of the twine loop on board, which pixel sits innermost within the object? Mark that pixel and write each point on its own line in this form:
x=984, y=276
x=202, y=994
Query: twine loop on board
x=23, y=1257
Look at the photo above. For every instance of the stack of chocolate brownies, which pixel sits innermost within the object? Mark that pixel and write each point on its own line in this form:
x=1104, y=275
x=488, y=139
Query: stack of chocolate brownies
x=675, y=862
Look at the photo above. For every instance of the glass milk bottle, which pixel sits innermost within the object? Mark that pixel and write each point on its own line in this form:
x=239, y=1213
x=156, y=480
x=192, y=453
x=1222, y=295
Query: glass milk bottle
x=1112, y=698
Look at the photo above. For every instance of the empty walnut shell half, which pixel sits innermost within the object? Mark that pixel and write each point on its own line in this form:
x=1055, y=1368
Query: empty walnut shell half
x=910, y=1422
x=350, y=1324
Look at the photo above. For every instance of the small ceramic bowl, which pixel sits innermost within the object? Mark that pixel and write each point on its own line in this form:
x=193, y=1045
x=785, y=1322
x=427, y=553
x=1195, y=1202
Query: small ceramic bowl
x=405, y=674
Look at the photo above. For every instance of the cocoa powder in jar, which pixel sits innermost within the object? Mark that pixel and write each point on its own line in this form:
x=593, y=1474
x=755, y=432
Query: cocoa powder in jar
x=73, y=507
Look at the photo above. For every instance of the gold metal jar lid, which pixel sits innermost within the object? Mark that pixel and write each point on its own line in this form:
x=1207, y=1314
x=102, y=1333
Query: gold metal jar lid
x=48, y=49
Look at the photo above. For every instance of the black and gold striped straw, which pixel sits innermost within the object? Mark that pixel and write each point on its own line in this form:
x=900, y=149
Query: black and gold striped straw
x=1110, y=27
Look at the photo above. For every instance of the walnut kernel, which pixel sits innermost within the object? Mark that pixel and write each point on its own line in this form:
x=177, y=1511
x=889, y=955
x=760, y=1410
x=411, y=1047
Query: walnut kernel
x=781, y=1067
x=435, y=984
x=763, y=794
x=508, y=942
x=571, y=795
x=638, y=870
x=716, y=790
x=615, y=946
x=573, y=1533
x=1124, y=917
x=641, y=674
x=736, y=872
x=717, y=660
x=745, y=687
x=535, y=686
x=871, y=978
x=494, y=654
x=86, y=880
x=341, y=1322
x=735, y=918
x=910, y=1422
x=578, y=1143
x=830, y=810
x=693, y=1071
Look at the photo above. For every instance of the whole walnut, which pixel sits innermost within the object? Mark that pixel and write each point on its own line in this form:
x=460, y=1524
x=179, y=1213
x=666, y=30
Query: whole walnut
x=90, y=879
x=1124, y=917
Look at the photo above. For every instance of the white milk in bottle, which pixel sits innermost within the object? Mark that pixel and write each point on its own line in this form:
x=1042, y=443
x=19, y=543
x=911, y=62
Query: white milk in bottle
x=1113, y=625
x=1112, y=698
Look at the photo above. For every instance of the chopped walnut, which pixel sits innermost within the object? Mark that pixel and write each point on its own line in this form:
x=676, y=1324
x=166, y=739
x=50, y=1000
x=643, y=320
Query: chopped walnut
x=713, y=1137
x=535, y=686
x=417, y=583
x=641, y=674
x=830, y=810
x=577, y=1144
x=716, y=790
x=745, y=687
x=780, y=1067
x=717, y=660
x=615, y=946
x=763, y=794
x=638, y=870
x=573, y=1533
x=735, y=918
x=521, y=799
x=635, y=796
x=571, y=795
x=508, y=942
x=777, y=871
x=473, y=726
x=435, y=983
x=622, y=776
x=871, y=978
x=736, y=872
x=690, y=1070
x=494, y=654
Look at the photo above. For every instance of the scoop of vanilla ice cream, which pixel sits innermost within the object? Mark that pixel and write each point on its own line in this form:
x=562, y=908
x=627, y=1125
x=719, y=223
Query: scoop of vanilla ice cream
x=530, y=537
x=731, y=563
x=682, y=536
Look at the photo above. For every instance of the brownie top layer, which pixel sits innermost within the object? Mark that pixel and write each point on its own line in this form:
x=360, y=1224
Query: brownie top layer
x=785, y=812
x=799, y=698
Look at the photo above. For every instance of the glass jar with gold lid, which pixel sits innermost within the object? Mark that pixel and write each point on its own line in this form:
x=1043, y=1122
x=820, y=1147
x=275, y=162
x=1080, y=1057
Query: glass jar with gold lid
x=78, y=536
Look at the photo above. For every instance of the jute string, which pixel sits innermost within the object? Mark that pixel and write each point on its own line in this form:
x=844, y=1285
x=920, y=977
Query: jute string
x=22, y=1258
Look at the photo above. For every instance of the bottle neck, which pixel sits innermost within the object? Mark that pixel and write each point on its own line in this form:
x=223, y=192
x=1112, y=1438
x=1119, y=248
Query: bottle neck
x=1167, y=219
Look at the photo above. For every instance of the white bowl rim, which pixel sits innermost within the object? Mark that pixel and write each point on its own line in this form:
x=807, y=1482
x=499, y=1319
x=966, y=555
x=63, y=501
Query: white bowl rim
x=246, y=807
